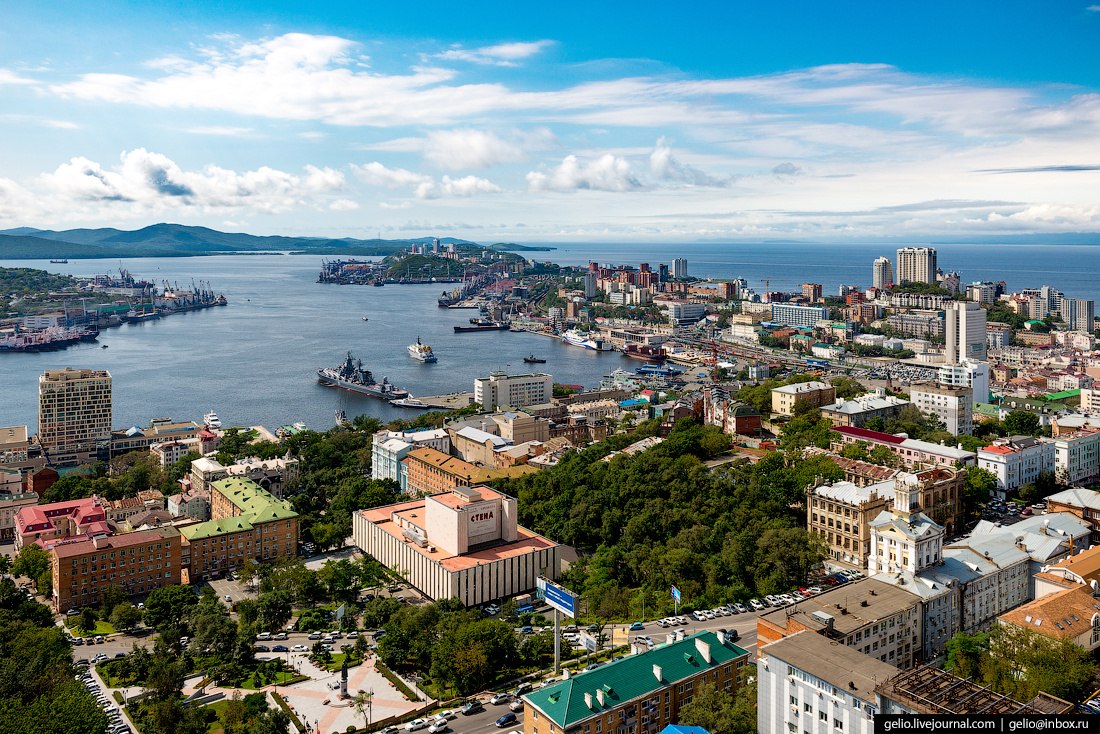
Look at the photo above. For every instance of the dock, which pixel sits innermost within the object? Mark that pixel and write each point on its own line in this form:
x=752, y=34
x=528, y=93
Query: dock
x=452, y=401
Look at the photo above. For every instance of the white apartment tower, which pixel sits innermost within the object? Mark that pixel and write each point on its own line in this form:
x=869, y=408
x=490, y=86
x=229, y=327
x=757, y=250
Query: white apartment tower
x=917, y=265
x=1079, y=314
x=680, y=268
x=882, y=272
x=74, y=414
x=964, y=332
x=515, y=391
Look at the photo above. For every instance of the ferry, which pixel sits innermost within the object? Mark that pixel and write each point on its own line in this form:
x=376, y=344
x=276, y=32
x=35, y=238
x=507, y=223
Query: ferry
x=351, y=376
x=657, y=370
x=421, y=352
x=409, y=402
x=483, y=325
x=577, y=339
x=212, y=420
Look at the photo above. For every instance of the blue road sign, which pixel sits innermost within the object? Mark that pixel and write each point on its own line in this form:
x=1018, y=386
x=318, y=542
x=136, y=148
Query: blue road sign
x=675, y=593
x=561, y=599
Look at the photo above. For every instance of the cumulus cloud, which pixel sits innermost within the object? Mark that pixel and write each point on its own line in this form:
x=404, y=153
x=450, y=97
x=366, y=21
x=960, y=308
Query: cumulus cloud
x=423, y=186
x=7, y=76
x=786, y=169
x=149, y=181
x=343, y=205
x=504, y=54
x=606, y=173
x=459, y=149
x=665, y=167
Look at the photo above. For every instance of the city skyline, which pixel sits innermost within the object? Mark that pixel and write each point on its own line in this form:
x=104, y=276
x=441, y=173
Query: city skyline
x=792, y=122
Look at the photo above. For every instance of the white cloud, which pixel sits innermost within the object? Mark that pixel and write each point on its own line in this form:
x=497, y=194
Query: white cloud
x=395, y=204
x=423, y=186
x=7, y=76
x=665, y=167
x=1093, y=8
x=343, y=205
x=468, y=186
x=376, y=174
x=606, y=173
x=62, y=125
x=504, y=54
x=459, y=149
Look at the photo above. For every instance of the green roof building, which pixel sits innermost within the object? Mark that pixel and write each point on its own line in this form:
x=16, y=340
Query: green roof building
x=639, y=693
x=246, y=521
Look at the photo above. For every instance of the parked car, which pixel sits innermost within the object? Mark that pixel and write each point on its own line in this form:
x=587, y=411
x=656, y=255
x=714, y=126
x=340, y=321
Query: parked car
x=314, y=636
x=507, y=720
x=499, y=698
x=741, y=608
x=525, y=687
x=300, y=648
x=99, y=639
x=280, y=648
x=516, y=705
x=634, y=626
x=353, y=634
x=438, y=727
x=416, y=724
x=472, y=707
x=279, y=636
x=263, y=636
x=527, y=630
x=72, y=613
x=446, y=715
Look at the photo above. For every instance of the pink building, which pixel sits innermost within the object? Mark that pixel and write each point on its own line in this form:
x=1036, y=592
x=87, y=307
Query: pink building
x=914, y=454
x=43, y=524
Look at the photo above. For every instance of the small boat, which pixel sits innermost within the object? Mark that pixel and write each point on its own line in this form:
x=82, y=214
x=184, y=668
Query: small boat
x=102, y=346
x=212, y=420
x=365, y=318
x=341, y=417
x=421, y=352
x=532, y=359
x=409, y=402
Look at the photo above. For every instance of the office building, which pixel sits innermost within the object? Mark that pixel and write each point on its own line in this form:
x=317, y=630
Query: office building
x=246, y=522
x=811, y=292
x=953, y=405
x=137, y=563
x=882, y=273
x=859, y=410
x=465, y=543
x=911, y=452
x=1079, y=314
x=921, y=324
x=964, y=332
x=1076, y=456
x=917, y=265
x=974, y=375
x=49, y=523
x=500, y=389
x=816, y=394
x=74, y=415
x=809, y=683
x=639, y=694
x=790, y=315
x=840, y=515
x=680, y=268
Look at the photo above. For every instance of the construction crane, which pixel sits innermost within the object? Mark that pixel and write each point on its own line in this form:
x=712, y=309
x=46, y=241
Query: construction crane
x=767, y=290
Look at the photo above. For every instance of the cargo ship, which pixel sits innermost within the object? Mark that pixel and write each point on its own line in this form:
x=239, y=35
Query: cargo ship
x=578, y=339
x=483, y=325
x=645, y=352
x=136, y=317
x=421, y=352
x=351, y=376
x=657, y=370
x=47, y=340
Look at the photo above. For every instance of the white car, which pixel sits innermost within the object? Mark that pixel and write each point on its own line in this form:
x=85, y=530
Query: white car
x=300, y=648
x=447, y=715
x=499, y=698
x=516, y=706
x=438, y=727
x=416, y=724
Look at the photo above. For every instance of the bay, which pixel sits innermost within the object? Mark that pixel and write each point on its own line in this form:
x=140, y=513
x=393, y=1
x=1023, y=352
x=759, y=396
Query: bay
x=255, y=360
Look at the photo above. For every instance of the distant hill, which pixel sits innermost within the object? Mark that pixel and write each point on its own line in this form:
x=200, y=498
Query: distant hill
x=178, y=240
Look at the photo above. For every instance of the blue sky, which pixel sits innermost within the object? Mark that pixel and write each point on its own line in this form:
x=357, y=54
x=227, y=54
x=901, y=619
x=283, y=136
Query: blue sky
x=558, y=121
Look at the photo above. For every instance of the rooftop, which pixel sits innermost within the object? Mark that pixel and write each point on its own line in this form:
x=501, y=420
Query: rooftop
x=1064, y=614
x=631, y=678
x=858, y=674
x=214, y=528
x=928, y=690
x=124, y=540
x=851, y=494
x=1077, y=497
x=864, y=404
x=800, y=387
x=253, y=500
x=845, y=606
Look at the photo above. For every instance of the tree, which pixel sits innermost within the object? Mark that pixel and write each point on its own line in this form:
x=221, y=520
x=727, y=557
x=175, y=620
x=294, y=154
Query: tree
x=125, y=616
x=362, y=702
x=166, y=672
x=5, y=565
x=979, y=487
x=167, y=606
x=112, y=596
x=722, y=713
x=1022, y=423
x=88, y=619
x=274, y=609
x=32, y=561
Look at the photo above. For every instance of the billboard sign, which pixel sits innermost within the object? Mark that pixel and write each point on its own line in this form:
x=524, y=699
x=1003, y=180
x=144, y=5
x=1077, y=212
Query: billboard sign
x=483, y=521
x=559, y=598
x=676, y=594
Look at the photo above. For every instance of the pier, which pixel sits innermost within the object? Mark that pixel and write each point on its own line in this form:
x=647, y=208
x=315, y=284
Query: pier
x=452, y=401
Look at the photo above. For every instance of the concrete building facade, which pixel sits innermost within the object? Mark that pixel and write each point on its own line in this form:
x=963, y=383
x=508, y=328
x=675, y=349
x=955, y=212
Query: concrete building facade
x=814, y=393
x=953, y=405
x=500, y=389
x=74, y=414
x=917, y=265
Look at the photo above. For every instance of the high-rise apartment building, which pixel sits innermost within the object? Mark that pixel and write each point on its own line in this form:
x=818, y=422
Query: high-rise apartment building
x=74, y=414
x=680, y=268
x=515, y=391
x=1079, y=314
x=811, y=292
x=964, y=332
x=882, y=272
x=917, y=265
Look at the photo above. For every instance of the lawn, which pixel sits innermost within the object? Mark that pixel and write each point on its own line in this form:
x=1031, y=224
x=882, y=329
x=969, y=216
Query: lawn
x=101, y=628
x=218, y=709
x=284, y=678
x=338, y=660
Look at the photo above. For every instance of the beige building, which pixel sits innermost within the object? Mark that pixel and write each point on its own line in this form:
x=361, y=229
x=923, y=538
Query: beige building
x=204, y=472
x=952, y=404
x=12, y=500
x=501, y=389
x=816, y=394
x=14, y=445
x=74, y=415
x=465, y=543
x=841, y=513
x=857, y=411
x=1071, y=614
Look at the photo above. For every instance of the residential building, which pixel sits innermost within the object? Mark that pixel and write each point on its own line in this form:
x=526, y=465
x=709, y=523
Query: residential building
x=1017, y=460
x=502, y=390
x=1082, y=503
x=205, y=471
x=964, y=332
x=810, y=683
x=953, y=405
x=1076, y=456
x=121, y=510
x=389, y=448
x=997, y=334
x=840, y=514
x=913, y=453
x=929, y=690
x=11, y=502
x=190, y=503
x=246, y=522
x=464, y=543
x=733, y=417
x=1079, y=314
x=811, y=292
x=428, y=471
x=637, y=694
x=882, y=273
x=74, y=415
x=684, y=312
x=974, y=375
x=921, y=324
x=1070, y=614
x=1081, y=570
x=984, y=292
x=46, y=524
x=476, y=446
x=791, y=315
x=917, y=265
x=137, y=563
x=14, y=446
x=859, y=410
x=680, y=267
x=814, y=393
x=872, y=616
x=272, y=475
x=168, y=453
x=159, y=430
